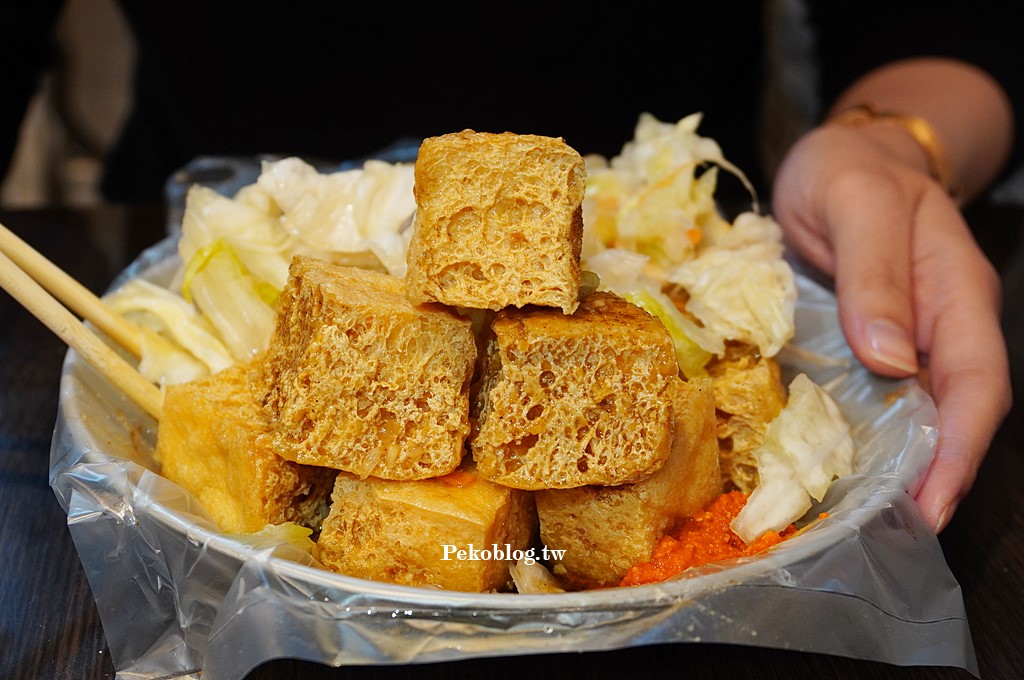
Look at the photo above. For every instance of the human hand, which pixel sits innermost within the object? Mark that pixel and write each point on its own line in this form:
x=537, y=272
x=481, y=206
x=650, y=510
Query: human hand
x=910, y=282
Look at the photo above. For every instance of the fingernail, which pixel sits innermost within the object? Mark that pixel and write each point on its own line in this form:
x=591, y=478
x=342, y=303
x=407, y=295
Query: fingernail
x=944, y=514
x=891, y=345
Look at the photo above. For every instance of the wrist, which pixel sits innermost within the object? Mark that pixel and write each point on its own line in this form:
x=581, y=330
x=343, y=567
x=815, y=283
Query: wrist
x=910, y=139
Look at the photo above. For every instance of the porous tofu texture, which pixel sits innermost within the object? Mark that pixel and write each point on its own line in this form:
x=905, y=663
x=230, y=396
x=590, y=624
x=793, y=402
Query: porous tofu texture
x=749, y=394
x=574, y=400
x=603, y=531
x=411, y=532
x=359, y=379
x=499, y=221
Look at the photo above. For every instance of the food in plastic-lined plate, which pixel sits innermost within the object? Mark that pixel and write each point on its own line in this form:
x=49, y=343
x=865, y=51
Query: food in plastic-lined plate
x=203, y=600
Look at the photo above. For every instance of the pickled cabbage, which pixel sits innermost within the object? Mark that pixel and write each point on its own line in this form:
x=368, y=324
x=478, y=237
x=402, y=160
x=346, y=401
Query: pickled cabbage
x=806, y=447
x=220, y=306
x=239, y=306
x=651, y=198
x=352, y=211
x=624, y=273
x=190, y=338
x=743, y=290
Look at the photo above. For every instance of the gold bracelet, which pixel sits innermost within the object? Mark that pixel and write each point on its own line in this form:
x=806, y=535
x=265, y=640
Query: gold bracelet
x=918, y=128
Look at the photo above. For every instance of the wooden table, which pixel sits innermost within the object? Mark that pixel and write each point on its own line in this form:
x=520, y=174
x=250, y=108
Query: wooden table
x=49, y=627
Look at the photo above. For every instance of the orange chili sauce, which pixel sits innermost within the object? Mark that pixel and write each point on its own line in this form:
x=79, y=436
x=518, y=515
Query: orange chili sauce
x=702, y=539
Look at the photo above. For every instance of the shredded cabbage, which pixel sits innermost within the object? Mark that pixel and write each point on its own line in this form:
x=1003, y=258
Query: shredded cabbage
x=238, y=306
x=162, y=312
x=650, y=198
x=651, y=201
x=236, y=251
x=624, y=273
x=745, y=293
x=806, y=447
x=287, y=539
x=256, y=237
x=352, y=211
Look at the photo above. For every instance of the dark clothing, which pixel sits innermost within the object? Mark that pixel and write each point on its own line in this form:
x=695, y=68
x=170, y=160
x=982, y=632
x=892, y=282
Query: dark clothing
x=341, y=83
x=341, y=80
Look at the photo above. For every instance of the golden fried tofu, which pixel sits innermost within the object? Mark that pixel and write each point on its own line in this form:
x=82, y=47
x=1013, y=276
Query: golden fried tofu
x=428, y=533
x=748, y=395
x=574, y=400
x=499, y=221
x=359, y=379
x=603, y=531
x=214, y=442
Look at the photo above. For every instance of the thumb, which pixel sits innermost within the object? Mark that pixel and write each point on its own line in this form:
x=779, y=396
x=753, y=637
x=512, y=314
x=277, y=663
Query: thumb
x=872, y=240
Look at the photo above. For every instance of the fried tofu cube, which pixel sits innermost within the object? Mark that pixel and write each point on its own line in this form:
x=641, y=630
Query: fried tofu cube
x=575, y=400
x=499, y=221
x=359, y=379
x=214, y=442
x=603, y=531
x=428, y=533
x=749, y=394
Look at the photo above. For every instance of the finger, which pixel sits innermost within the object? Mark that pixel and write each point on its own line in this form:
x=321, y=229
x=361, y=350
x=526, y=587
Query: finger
x=972, y=394
x=969, y=414
x=959, y=327
x=872, y=239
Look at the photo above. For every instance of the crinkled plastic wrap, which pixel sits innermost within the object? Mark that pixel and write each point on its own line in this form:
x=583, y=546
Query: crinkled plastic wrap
x=176, y=597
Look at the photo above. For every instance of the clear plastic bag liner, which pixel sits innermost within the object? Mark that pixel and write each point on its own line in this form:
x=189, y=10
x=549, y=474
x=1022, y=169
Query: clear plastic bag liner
x=178, y=598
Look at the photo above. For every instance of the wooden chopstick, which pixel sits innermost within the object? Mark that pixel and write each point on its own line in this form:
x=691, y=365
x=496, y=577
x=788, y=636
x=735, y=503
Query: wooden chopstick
x=77, y=335
x=70, y=292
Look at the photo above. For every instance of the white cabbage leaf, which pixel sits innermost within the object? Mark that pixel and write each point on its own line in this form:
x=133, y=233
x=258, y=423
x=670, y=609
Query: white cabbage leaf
x=255, y=235
x=287, y=540
x=651, y=197
x=659, y=148
x=620, y=270
x=745, y=293
x=533, y=578
x=624, y=273
x=806, y=447
x=749, y=229
x=241, y=310
x=165, y=363
x=164, y=314
x=350, y=211
x=691, y=357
